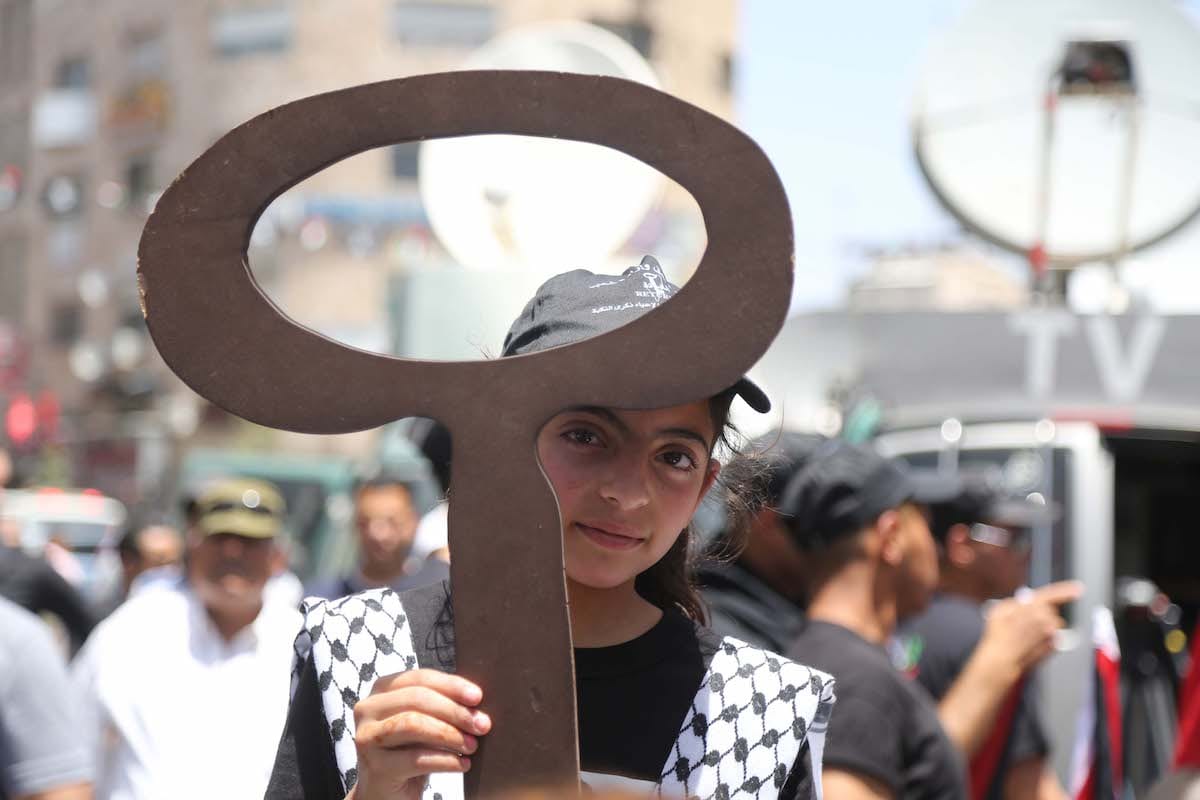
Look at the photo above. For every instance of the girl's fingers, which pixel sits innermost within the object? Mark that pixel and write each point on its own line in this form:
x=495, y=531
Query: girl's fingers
x=413, y=724
x=397, y=767
x=413, y=729
x=458, y=689
x=424, y=700
x=428, y=761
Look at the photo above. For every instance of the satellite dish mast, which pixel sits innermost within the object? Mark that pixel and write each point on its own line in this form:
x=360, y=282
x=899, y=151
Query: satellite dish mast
x=1066, y=132
x=498, y=202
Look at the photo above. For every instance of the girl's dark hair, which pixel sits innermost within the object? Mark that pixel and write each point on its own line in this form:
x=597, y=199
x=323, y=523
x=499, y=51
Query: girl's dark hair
x=670, y=583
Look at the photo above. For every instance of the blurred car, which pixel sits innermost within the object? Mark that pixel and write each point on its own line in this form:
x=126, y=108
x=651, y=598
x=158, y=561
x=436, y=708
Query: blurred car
x=75, y=530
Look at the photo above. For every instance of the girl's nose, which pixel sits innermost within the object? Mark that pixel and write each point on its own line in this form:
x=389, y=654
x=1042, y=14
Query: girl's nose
x=626, y=487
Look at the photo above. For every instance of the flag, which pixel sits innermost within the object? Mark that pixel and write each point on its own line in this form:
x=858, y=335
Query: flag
x=1187, y=743
x=1096, y=765
x=984, y=767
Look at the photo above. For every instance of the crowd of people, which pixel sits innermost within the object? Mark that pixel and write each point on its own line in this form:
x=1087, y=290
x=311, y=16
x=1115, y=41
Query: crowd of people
x=858, y=629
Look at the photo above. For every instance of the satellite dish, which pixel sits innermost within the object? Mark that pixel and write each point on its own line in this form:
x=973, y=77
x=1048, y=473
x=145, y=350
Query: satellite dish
x=515, y=202
x=1066, y=131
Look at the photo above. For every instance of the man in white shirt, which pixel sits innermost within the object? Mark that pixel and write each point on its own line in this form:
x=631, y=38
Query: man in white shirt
x=185, y=689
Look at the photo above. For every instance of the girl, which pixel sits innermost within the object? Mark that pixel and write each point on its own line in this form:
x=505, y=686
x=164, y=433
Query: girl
x=664, y=704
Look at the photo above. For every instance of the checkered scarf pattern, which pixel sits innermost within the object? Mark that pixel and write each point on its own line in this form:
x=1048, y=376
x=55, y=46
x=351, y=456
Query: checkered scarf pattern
x=746, y=726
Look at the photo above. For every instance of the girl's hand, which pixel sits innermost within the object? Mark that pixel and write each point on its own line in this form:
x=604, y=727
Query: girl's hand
x=412, y=724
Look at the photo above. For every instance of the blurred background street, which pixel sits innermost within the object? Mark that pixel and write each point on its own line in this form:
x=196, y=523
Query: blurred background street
x=996, y=258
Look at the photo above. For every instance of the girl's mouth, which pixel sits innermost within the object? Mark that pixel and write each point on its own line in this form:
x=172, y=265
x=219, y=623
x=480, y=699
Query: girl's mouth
x=609, y=539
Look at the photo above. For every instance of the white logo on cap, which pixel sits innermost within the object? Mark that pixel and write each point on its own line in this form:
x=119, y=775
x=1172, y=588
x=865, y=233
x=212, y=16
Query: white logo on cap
x=655, y=289
x=655, y=284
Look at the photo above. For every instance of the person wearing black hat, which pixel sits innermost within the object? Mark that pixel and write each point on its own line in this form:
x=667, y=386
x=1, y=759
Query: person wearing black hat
x=871, y=562
x=984, y=542
x=760, y=597
x=652, y=681
x=864, y=521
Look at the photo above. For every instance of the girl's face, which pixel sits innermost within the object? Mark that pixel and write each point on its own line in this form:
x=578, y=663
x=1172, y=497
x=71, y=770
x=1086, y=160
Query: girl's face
x=627, y=483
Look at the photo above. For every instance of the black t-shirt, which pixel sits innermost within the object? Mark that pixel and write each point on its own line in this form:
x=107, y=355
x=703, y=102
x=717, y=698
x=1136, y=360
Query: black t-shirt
x=741, y=605
x=934, y=647
x=883, y=725
x=631, y=698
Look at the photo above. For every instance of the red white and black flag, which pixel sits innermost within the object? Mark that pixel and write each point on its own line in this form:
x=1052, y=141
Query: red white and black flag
x=1096, y=766
x=1187, y=744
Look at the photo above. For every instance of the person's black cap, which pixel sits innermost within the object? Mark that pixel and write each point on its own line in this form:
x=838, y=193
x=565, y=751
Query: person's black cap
x=578, y=305
x=978, y=501
x=844, y=487
x=433, y=439
x=783, y=454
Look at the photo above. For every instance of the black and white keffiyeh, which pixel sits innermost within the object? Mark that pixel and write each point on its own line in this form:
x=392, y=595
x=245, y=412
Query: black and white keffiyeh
x=749, y=719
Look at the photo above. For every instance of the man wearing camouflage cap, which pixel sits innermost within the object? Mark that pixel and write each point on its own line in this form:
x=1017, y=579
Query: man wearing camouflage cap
x=185, y=687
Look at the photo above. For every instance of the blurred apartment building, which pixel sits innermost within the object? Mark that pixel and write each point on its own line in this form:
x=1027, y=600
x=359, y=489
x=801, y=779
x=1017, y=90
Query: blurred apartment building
x=950, y=278
x=103, y=103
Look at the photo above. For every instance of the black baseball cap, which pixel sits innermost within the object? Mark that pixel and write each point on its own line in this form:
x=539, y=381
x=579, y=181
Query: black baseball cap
x=433, y=440
x=783, y=454
x=578, y=305
x=844, y=487
x=978, y=501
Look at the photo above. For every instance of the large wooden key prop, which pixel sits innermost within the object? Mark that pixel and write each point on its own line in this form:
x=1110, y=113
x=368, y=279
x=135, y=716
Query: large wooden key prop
x=218, y=331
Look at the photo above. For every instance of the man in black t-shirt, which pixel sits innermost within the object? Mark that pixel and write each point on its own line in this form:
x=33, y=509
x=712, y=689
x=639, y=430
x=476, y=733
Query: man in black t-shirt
x=984, y=546
x=871, y=561
x=759, y=598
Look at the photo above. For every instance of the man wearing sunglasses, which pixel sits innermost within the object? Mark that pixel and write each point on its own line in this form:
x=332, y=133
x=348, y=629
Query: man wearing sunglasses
x=984, y=541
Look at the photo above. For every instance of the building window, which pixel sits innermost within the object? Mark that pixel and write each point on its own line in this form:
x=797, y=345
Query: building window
x=62, y=196
x=404, y=159
x=13, y=302
x=16, y=36
x=14, y=147
x=635, y=31
x=11, y=178
x=144, y=99
x=248, y=31
x=66, y=324
x=139, y=182
x=72, y=73
x=449, y=24
x=147, y=55
x=727, y=69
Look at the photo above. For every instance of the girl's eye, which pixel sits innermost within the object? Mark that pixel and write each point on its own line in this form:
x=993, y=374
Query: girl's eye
x=677, y=459
x=582, y=436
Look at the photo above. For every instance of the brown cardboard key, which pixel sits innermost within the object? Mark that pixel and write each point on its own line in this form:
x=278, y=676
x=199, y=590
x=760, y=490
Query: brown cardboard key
x=220, y=333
